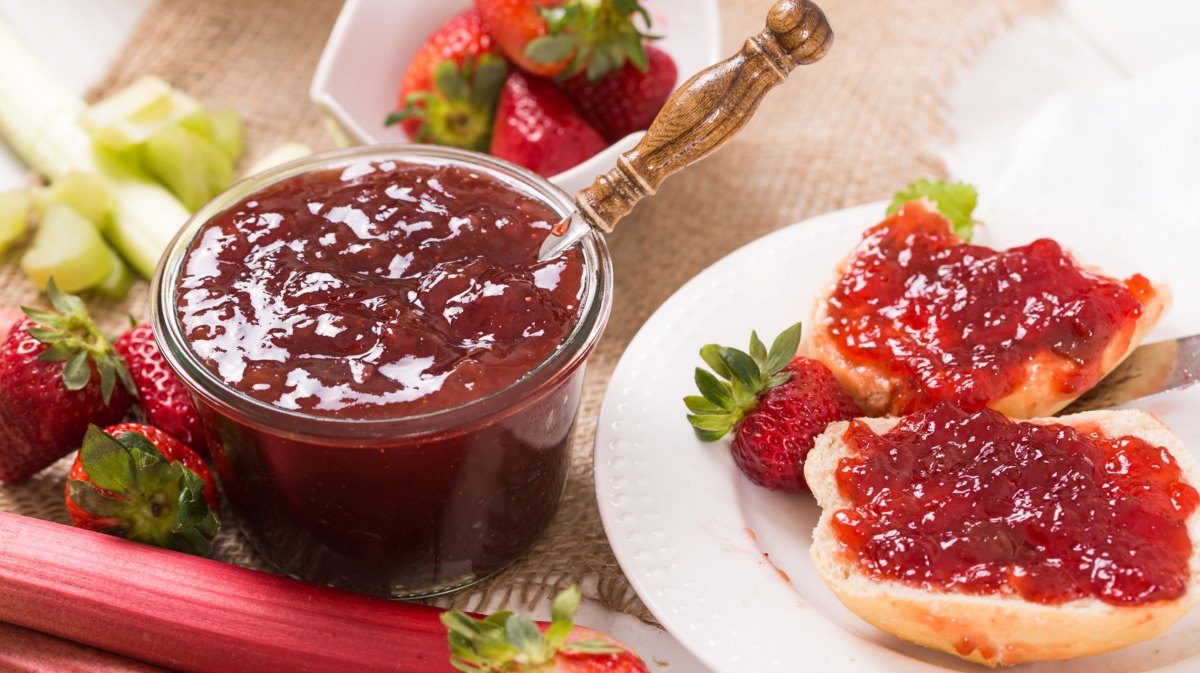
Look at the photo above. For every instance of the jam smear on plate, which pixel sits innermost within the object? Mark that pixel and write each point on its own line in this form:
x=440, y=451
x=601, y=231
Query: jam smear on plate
x=974, y=502
x=380, y=290
x=957, y=322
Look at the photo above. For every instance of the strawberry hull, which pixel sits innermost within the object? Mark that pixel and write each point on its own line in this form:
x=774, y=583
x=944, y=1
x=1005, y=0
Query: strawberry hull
x=439, y=456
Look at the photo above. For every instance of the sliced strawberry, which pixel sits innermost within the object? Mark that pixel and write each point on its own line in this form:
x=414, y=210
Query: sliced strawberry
x=538, y=128
x=511, y=643
x=626, y=100
x=553, y=38
x=450, y=87
x=58, y=373
x=775, y=403
x=137, y=482
x=162, y=397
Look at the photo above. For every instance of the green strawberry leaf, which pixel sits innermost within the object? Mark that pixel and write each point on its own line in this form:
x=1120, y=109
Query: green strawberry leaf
x=47, y=318
x=77, y=372
x=523, y=634
x=783, y=349
x=721, y=423
x=451, y=81
x=955, y=200
x=108, y=378
x=711, y=354
x=551, y=48
x=562, y=616
x=758, y=351
x=490, y=74
x=57, y=352
x=593, y=646
x=697, y=404
x=87, y=496
x=138, y=443
x=742, y=367
x=107, y=462
x=713, y=389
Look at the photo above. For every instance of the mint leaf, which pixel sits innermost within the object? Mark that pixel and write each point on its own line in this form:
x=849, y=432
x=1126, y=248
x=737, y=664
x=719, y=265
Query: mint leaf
x=955, y=200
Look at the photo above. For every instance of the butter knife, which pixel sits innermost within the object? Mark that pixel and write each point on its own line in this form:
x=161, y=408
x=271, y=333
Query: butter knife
x=1150, y=369
x=709, y=109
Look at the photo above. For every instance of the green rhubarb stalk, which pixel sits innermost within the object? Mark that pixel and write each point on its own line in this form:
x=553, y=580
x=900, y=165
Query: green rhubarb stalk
x=39, y=119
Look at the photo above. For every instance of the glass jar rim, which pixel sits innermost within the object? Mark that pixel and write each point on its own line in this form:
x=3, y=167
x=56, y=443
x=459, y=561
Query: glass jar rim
x=595, y=306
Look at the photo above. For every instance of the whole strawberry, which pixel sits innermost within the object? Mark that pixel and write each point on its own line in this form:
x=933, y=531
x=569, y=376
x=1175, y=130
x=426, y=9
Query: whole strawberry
x=137, y=482
x=162, y=397
x=559, y=38
x=58, y=373
x=449, y=92
x=626, y=100
x=511, y=643
x=775, y=404
x=538, y=128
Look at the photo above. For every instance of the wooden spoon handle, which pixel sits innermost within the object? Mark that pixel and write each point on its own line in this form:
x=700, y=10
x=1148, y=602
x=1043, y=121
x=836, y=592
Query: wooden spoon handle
x=709, y=109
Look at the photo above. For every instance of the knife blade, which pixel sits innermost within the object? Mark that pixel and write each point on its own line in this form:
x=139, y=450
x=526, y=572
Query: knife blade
x=1149, y=370
x=568, y=232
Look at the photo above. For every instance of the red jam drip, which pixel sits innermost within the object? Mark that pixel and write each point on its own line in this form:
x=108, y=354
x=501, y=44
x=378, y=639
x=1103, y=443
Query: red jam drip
x=381, y=290
x=957, y=322
x=975, y=502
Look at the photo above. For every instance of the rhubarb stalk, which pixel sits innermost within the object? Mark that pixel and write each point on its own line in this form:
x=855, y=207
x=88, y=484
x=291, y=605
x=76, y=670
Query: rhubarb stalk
x=25, y=651
x=195, y=615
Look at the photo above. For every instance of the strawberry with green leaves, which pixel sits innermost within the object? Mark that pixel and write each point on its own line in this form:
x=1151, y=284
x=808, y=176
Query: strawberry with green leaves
x=450, y=88
x=559, y=38
x=137, y=482
x=955, y=200
x=775, y=403
x=511, y=643
x=628, y=98
x=58, y=374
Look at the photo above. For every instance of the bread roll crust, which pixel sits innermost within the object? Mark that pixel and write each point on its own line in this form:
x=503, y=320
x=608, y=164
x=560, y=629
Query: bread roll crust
x=994, y=629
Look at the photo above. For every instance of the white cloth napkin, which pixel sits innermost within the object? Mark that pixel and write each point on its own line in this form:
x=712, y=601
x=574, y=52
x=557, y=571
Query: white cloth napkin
x=1134, y=145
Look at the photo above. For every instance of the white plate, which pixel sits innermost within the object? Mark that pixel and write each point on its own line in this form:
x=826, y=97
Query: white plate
x=358, y=77
x=693, y=535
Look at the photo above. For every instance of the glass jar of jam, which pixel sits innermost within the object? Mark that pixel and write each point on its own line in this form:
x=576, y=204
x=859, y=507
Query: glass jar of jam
x=387, y=376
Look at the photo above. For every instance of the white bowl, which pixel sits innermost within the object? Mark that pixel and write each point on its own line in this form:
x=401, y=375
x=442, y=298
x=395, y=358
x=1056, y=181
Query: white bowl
x=358, y=78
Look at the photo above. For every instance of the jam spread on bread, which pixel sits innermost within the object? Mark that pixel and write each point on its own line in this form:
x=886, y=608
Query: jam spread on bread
x=379, y=290
x=974, y=502
x=951, y=321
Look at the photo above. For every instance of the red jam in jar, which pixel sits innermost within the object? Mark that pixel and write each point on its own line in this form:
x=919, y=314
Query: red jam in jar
x=377, y=290
x=387, y=374
x=974, y=502
x=950, y=321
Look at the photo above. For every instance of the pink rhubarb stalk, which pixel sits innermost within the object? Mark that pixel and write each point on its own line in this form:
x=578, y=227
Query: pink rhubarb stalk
x=195, y=615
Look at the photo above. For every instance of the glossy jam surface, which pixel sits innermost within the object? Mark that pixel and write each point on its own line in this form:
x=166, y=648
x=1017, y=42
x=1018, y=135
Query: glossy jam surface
x=381, y=290
x=974, y=502
x=957, y=322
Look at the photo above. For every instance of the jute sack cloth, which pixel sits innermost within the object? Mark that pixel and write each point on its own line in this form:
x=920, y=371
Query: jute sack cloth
x=853, y=128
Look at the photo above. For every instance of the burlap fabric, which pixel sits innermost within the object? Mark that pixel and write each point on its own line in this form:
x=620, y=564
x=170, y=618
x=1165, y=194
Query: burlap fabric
x=850, y=129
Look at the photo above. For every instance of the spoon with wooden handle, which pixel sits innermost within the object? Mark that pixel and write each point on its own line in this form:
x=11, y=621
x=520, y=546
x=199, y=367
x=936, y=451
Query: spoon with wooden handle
x=699, y=117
